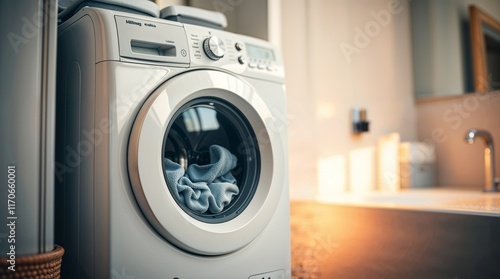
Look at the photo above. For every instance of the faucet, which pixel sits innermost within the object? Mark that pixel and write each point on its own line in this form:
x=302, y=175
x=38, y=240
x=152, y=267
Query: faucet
x=491, y=182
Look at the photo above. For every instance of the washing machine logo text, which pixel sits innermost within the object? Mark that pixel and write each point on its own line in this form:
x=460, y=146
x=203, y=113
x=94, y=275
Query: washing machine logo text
x=128, y=21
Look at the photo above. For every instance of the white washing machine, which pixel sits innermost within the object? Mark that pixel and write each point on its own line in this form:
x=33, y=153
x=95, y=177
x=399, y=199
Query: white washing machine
x=171, y=156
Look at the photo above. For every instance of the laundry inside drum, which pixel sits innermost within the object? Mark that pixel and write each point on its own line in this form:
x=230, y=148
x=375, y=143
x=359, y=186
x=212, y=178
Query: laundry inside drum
x=211, y=160
x=204, y=187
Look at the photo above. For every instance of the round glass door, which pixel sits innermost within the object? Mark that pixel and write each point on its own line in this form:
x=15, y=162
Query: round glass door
x=211, y=160
x=206, y=167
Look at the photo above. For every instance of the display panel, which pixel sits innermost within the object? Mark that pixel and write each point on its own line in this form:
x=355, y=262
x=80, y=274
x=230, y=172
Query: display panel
x=260, y=53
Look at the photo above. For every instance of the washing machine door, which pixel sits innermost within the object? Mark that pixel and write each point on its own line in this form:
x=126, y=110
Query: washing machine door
x=206, y=162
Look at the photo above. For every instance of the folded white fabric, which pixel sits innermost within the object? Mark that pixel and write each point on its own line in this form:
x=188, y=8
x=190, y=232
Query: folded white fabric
x=208, y=187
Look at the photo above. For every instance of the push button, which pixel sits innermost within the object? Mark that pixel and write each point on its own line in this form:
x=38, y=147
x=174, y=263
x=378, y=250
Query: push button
x=252, y=65
x=242, y=60
x=261, y=67
x=238, y=46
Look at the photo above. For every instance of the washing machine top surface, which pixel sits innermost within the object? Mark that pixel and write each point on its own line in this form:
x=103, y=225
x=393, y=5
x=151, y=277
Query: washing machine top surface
x=66, y=8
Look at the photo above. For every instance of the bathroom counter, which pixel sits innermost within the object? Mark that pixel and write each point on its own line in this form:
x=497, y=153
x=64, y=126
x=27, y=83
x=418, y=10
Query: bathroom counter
x=351, y=239
x=439, y=199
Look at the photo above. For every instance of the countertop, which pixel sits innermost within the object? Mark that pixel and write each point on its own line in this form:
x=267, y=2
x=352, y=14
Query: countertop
x=351, y=239
x=439, y=199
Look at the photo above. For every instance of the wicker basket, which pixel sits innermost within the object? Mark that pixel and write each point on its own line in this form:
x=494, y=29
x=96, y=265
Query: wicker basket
x=39, y=266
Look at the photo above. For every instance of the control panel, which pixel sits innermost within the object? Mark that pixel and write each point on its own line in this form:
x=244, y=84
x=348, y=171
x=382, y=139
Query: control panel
x=240, y=54
x=185, y=45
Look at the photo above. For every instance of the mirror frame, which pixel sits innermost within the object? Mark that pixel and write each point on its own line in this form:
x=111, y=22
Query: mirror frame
x=478, y=46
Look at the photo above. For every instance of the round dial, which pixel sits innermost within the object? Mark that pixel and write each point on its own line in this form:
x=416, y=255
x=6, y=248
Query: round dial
x=214, y=48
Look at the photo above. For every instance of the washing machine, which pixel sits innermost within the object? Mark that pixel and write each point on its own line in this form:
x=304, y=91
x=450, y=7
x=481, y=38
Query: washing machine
x=171, y=150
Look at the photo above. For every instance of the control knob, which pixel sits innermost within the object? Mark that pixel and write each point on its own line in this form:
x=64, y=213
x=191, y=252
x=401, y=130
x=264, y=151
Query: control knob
x=214, y=48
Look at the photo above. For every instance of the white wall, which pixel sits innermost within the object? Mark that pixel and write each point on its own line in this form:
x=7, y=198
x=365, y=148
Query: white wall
x=324, y=84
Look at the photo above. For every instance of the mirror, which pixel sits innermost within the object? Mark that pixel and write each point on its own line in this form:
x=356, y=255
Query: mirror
x=485, y=38
x=443, y=56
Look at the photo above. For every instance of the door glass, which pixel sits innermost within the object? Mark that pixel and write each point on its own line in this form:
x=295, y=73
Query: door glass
x=211, y=160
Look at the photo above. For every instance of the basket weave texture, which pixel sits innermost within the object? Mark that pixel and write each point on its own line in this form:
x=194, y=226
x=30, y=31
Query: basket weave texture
x=39, y=266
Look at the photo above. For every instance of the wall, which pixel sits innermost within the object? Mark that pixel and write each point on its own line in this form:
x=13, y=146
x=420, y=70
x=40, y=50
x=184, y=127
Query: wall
x=441, y=44
x=330, y=68
x=165, y=3
x=445, y=121
x=243, y=16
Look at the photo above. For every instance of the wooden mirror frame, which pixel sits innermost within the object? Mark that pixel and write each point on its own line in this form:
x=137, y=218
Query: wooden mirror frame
x=478, y=46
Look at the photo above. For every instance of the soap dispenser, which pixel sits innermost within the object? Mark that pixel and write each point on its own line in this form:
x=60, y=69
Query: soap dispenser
x=360, y=124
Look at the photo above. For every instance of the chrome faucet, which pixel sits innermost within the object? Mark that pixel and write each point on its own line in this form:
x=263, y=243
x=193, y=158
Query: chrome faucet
x=489, y=157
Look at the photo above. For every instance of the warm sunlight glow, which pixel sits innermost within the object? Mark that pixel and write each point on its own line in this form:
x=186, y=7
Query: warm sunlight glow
x=325, y=111
x=331, y=176
x=362, y=170
x=388, y=162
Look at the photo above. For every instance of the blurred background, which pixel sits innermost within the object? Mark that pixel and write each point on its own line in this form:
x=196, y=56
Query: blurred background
x=407, y=63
